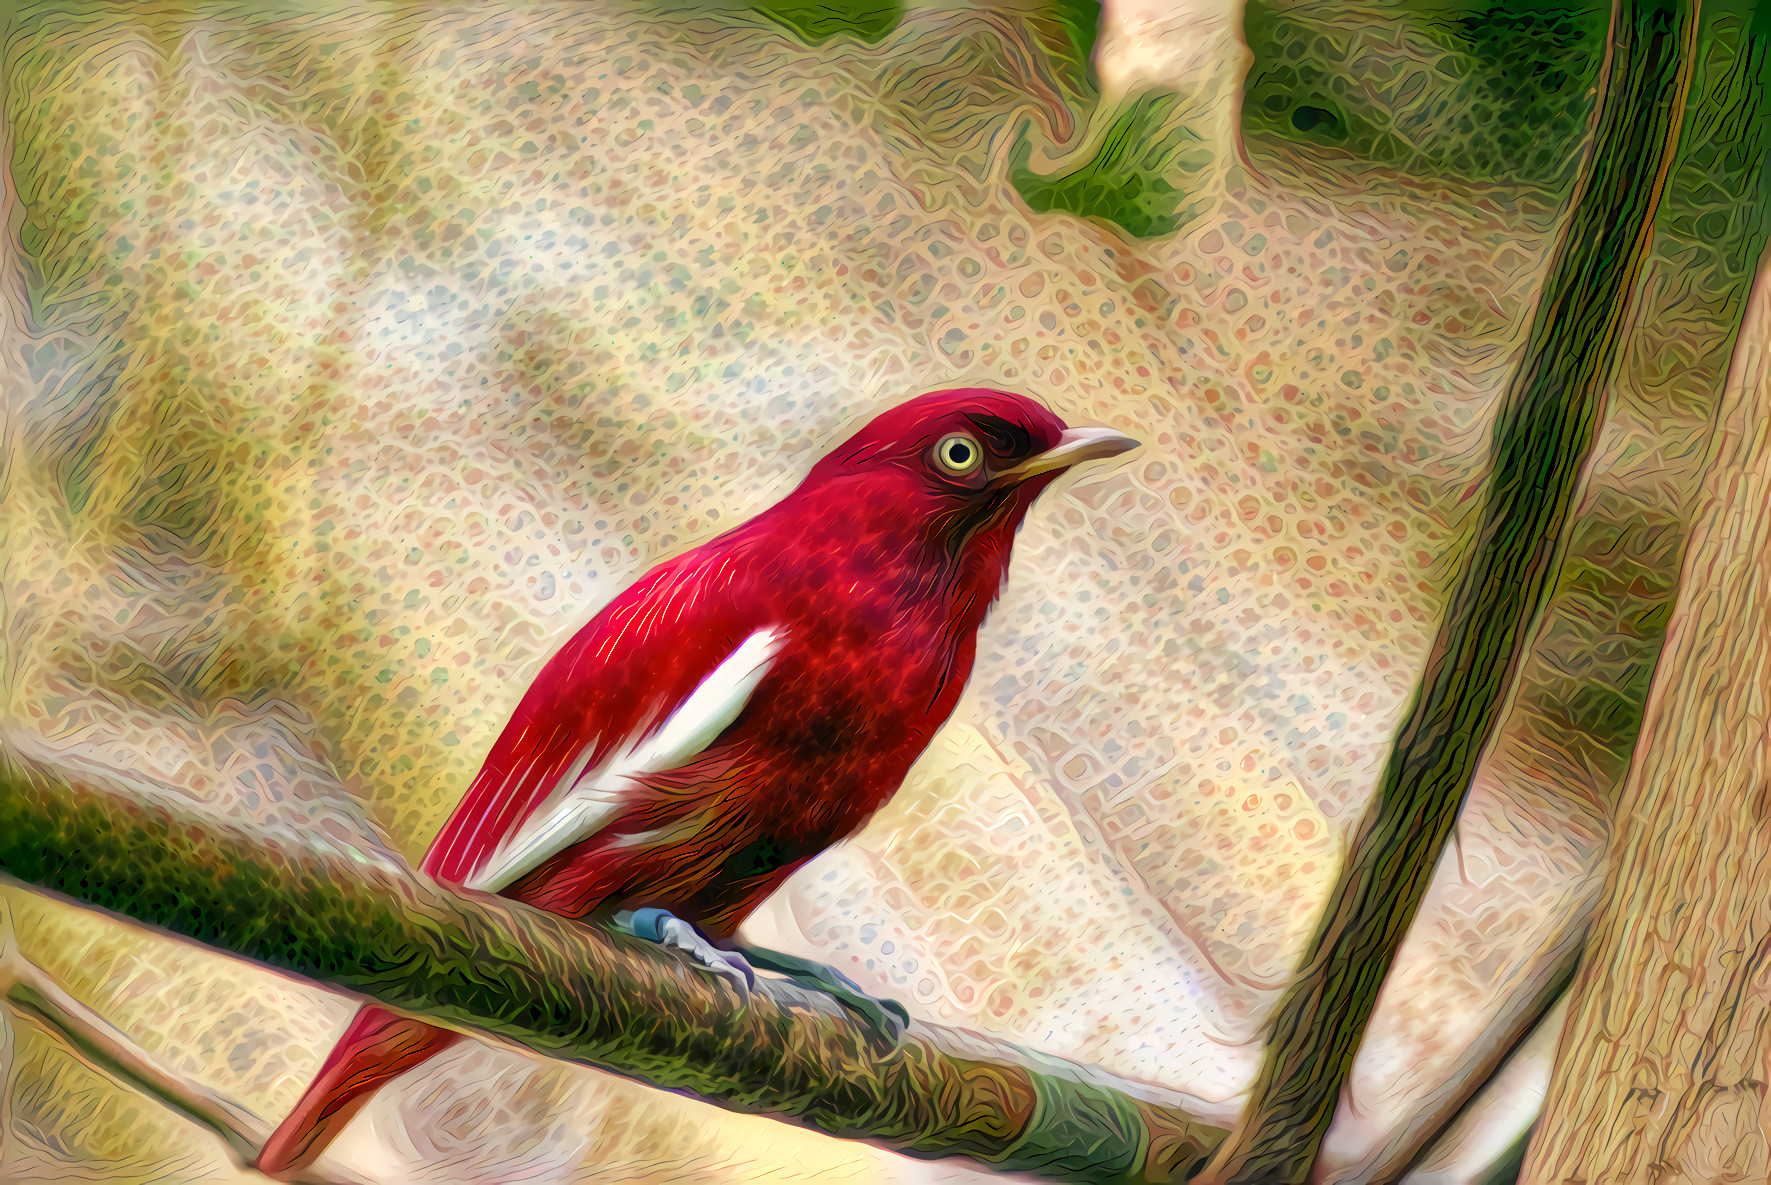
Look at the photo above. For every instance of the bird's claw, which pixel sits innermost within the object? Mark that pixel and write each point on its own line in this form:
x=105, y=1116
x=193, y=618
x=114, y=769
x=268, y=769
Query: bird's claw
x=674, y=932
x=666, y=929
x=887, y=1017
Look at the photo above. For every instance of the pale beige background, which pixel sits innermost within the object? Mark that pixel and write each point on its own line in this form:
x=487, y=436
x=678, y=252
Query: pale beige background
x=457, y=320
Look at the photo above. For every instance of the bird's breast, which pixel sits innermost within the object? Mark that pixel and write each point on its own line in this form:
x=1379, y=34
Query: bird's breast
x=851, y=702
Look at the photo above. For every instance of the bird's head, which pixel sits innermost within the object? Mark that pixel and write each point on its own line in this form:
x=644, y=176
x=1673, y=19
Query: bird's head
x=957, y=468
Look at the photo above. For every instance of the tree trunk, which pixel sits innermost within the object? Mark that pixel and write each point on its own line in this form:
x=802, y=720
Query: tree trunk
x=1542, y=436
x=1663, y=1066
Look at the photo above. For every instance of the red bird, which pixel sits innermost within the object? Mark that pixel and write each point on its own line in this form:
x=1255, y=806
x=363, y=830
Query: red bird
x=739, y=709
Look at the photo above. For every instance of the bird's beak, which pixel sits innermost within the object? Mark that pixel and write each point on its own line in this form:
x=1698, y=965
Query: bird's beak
x=1074, y=446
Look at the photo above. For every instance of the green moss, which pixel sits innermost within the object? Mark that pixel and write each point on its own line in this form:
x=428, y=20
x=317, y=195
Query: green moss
x=1488, y=91
x=1080, y=21
x=1127, y=182
x=817, y=21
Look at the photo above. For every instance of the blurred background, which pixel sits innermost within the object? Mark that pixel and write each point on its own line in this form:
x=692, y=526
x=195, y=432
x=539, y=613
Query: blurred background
x=355, y=355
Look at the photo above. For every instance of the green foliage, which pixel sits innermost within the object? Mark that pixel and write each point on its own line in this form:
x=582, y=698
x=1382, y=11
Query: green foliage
x=1527, y=109
x=1080, y=20
x=1506, y=1169
x=1717, y=198
x=1065, y=31
x=817, y=21
x=1126, y=181
x=1488, y=91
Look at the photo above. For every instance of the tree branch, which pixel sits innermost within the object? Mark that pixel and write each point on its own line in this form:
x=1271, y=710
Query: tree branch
x=103, y=1047
x=1542, y=437
x=1487, y=1136
x=569, y=990
x=1538, y=988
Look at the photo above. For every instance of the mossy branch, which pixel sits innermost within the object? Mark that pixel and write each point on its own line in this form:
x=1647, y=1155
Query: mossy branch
x=569, y=990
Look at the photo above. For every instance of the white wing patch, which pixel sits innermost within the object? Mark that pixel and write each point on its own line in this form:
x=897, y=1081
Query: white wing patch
x=584, y=801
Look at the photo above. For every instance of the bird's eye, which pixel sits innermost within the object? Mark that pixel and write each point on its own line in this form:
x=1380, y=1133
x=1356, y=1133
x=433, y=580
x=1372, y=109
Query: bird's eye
x=959, y=454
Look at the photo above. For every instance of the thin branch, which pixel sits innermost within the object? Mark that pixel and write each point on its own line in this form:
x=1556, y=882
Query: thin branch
x=8, y=1041
x=489, y=965
x=106, y=1050
x=1534, y=992
x=1487, y=1135
x=103, y=1047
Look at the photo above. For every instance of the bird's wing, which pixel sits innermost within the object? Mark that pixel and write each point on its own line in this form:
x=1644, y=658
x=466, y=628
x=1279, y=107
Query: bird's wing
x=648, y=684
x=588, y=798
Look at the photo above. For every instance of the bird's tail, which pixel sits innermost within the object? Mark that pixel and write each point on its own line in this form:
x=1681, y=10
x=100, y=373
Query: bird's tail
x=377, y=1047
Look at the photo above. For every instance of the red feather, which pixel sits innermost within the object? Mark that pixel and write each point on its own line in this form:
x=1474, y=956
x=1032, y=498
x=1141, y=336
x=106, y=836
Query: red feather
x=619, y=676
x=871, y=580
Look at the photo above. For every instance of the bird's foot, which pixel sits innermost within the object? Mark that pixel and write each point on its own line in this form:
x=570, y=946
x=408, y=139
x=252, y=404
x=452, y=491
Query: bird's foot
x=887, y=1017
x=666, y=929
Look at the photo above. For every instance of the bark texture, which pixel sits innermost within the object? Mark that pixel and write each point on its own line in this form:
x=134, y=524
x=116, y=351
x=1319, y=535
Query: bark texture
x=1662, y=1071
x=1542, y=437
